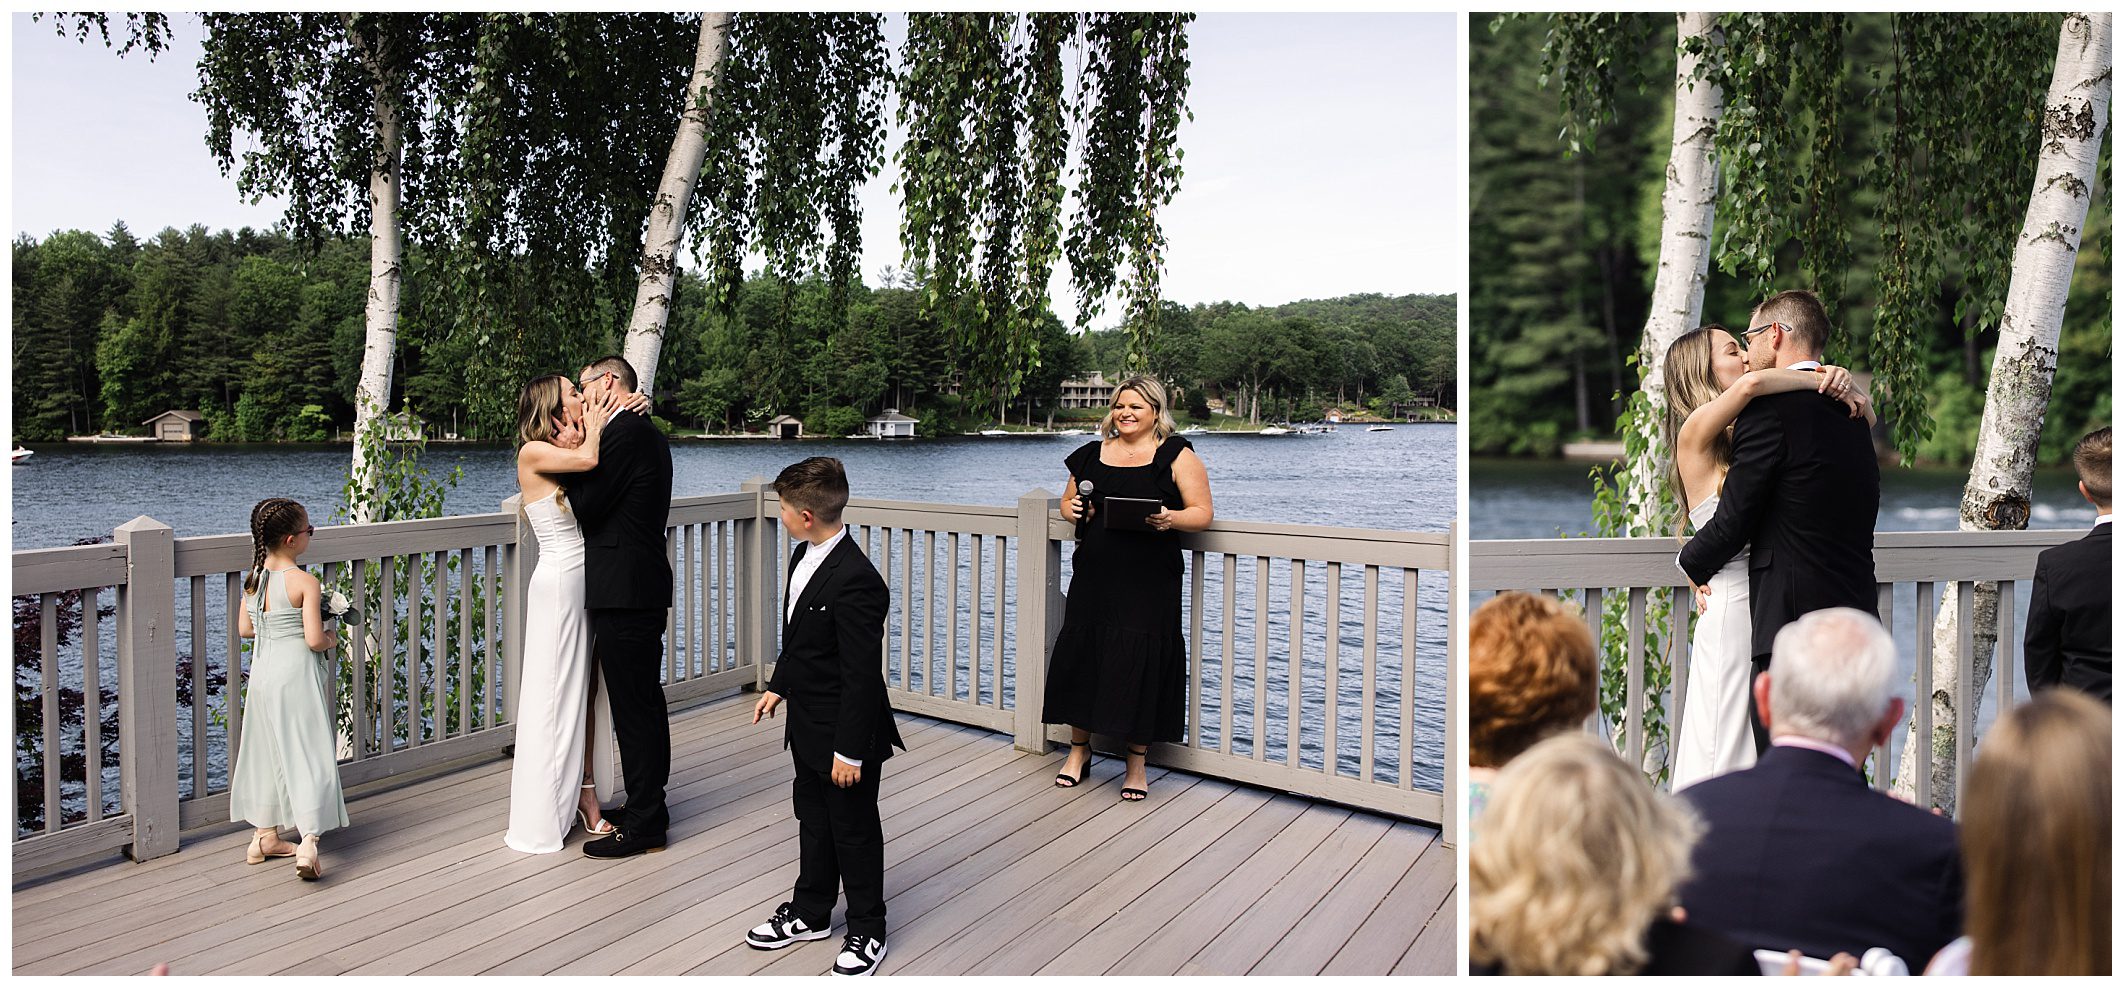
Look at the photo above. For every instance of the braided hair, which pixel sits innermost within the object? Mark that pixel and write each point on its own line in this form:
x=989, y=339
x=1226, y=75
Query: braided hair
x=272, y=519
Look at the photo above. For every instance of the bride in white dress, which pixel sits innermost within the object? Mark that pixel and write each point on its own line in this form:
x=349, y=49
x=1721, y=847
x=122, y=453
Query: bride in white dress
x=557, y=783
x=1708, y=383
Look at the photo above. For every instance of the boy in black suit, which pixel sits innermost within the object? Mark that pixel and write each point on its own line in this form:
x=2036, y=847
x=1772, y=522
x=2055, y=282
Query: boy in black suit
x=840, y=727
x=2067, y=643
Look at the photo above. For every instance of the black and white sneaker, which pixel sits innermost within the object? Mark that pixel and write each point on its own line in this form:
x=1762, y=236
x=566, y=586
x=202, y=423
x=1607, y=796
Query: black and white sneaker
x=784, y=929
x=860, y=956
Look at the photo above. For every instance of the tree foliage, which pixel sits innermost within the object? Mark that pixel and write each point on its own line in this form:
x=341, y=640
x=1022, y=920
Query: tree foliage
x=1880, y=160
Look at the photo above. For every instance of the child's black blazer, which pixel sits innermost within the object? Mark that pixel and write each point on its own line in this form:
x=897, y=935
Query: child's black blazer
x=829, y=672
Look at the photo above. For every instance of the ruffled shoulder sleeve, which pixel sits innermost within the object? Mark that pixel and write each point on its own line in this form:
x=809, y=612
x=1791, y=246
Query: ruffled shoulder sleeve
x=1083, y=459
x=1170, y=449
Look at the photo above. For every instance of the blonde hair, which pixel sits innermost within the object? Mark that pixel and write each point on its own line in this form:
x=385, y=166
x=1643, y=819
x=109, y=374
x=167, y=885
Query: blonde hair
x=2035, y=840
x=543, y=398
x=1576, y=858
x=1691, y=384
x=1153, y=394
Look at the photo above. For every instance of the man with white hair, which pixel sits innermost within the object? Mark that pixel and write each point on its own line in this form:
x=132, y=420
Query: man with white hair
x=1798, y=852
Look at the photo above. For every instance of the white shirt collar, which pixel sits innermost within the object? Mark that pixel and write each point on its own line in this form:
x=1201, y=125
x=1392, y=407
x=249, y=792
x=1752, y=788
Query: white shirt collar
x=2102, y=519
x=1797, y=741
x=1804, y=365
x=800, y=575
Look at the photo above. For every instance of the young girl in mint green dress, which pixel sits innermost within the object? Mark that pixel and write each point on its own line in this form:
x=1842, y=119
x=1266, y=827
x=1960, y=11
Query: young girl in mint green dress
x=287, y=765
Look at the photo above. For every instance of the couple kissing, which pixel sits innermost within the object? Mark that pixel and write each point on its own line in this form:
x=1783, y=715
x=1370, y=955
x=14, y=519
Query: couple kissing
x=595, y=477
x=1774, y=465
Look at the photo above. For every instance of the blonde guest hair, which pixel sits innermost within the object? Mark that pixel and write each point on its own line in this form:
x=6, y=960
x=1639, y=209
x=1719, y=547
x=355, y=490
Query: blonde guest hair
x=1691, y=384
x=543, y=398
x=2035, y=840
x=1153, y=394
x=1577, y=858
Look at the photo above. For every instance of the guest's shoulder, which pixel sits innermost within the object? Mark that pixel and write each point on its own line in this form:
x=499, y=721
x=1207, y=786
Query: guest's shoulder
x=1712, y=794
x=1083, y=457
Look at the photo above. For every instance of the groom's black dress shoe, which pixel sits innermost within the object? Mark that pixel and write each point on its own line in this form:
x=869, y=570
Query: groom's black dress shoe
x=624, y=844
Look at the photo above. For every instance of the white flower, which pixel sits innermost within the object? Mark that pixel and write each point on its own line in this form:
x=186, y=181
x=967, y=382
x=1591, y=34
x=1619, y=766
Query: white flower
x=338, y=603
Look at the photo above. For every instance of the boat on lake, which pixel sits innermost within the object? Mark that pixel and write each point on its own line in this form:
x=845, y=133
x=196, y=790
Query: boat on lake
x=1275, y=430
x=1379, y=428
x=23, y=454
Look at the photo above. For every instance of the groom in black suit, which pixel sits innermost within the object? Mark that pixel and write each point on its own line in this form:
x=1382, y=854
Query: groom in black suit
x=1802, y=493
x=623, y=505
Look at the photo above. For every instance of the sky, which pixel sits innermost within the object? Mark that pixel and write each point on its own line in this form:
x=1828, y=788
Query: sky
x=1322, y=159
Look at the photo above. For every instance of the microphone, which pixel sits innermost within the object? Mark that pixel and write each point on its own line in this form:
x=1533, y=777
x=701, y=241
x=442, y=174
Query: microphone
x=1084, y=493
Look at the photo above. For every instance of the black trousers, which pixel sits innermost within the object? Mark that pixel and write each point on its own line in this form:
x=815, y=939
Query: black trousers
x=1757, y=665
x=628, y=646
x=840, y=842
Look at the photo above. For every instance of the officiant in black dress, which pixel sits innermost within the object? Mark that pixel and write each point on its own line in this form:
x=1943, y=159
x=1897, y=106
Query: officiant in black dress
x=1119, y=666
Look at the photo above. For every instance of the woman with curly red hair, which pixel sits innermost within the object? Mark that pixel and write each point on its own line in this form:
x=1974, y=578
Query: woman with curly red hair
x=1532, y=672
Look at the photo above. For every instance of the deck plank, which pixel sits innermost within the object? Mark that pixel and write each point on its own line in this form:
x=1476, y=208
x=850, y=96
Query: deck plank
x=1134, y=924
x=1385, y=937
x=989, y=870
x=1031, y=928
x=1329, y=925
x=1272, y=916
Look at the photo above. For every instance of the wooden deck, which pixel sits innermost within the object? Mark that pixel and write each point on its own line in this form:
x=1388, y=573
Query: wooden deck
x=989, y=870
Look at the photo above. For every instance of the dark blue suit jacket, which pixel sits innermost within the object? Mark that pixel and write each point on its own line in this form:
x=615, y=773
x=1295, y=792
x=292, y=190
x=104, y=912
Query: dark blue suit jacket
x=1800, y=853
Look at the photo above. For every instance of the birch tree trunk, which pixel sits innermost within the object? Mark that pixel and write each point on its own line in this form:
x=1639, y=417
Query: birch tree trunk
x=1684, y=259
x=667, y=216
x=373, y=391
x=2003, y=467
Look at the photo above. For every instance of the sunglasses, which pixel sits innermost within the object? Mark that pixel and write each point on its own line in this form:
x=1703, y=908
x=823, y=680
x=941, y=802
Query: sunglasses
x=1749, y=334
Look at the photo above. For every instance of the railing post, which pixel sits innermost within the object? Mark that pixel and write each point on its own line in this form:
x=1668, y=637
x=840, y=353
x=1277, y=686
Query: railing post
x=147, y=686
x=1455, y=661
x=522, y=559
x=754, y=578
x=1039, y=614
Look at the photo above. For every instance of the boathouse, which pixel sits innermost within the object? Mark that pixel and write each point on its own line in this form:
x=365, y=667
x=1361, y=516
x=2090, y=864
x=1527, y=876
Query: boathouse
x=892, y=425
x=785, y=427
x=405, y=427
x=175, y=426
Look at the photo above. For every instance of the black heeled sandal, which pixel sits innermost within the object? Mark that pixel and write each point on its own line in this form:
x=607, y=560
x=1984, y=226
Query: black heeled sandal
x=1130, y=794
x=1063, y=779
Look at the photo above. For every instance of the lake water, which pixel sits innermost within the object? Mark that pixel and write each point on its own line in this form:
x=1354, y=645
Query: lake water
x=1401, y=480
x=1545, y=499
x=1534, y=499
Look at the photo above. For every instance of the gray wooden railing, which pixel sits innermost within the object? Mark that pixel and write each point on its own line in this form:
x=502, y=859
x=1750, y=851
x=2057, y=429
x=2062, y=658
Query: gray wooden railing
x=969, y=584
x=1917, y=572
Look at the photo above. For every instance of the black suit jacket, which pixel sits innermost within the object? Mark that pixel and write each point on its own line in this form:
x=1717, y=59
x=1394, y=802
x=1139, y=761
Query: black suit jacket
x=623, y=505
x=2068, y=616
x=1798, y=852
x=1802, y=495
x=828, y=671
